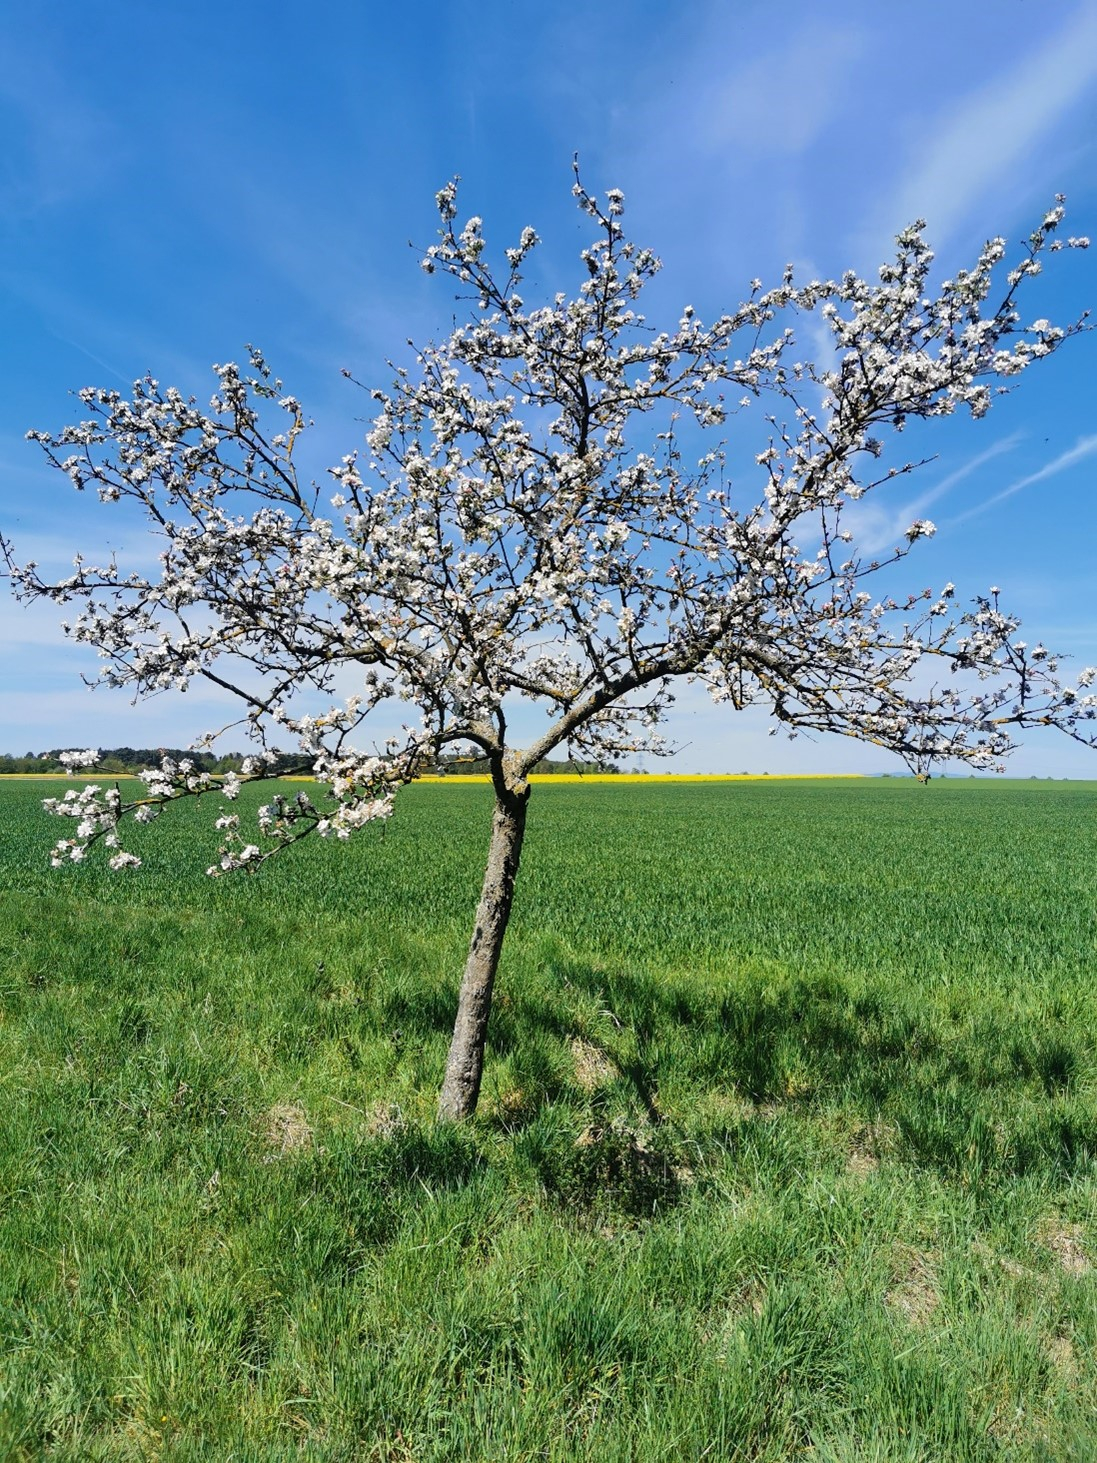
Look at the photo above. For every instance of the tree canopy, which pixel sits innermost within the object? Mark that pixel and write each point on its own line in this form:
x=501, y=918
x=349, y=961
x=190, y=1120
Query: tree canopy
x=552, y=505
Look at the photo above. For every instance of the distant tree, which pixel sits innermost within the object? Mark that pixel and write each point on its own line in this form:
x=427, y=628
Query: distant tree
x=536, y=516
x=29, y=763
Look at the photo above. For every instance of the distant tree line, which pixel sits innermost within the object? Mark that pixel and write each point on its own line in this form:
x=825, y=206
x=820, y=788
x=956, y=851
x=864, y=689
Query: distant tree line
x=454, y=766
x=121, y=760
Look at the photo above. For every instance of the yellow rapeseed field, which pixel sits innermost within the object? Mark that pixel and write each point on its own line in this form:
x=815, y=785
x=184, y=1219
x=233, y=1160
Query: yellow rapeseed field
x=655, y=777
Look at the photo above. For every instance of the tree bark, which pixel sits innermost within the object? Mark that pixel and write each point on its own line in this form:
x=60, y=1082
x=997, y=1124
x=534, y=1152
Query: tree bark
x=465, y=1063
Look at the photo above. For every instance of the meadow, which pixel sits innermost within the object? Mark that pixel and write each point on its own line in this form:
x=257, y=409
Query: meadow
x=787, y=1146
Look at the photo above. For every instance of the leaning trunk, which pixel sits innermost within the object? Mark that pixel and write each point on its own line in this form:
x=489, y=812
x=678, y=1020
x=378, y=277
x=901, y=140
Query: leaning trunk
x=465, y=1064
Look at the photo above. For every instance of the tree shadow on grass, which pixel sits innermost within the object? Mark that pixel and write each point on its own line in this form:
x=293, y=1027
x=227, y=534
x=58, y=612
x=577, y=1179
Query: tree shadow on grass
x=975, y=1092
x=980, y=1095
x=371, y=1184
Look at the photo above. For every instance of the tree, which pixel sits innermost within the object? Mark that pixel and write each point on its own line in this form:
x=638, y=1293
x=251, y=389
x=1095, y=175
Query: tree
x=539, y=515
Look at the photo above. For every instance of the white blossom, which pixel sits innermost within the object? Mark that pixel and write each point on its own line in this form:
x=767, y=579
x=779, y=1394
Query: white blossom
x=921, y=528
x=73, y=761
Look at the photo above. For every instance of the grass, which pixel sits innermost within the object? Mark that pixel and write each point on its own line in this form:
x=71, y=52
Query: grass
x=786, y=1148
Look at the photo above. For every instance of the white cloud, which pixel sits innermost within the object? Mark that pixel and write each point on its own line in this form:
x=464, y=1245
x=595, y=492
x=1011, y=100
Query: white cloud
x=979, y=142
x=69, y=146
x=36, y=718
x=29, y=625
x=878, y=527
x=814, y=67
x=1083, y=448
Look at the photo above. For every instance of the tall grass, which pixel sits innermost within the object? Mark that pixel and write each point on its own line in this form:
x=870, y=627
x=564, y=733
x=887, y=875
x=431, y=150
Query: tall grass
x=787, y=1143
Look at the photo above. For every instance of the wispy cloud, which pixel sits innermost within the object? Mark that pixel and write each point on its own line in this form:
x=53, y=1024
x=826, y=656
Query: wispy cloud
x=979, y=142
x=44, y=717
x=878, y=527
x=69, y=145
x=815, y=67
x=91, y=355
x=1083, y=448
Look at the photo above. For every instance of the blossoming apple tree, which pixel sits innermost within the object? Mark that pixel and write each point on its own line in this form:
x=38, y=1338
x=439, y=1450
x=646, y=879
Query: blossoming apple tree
x=551, y=505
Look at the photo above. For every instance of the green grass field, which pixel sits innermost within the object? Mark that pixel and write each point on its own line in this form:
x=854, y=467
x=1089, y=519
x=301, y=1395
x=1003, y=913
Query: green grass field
x=787, y=1146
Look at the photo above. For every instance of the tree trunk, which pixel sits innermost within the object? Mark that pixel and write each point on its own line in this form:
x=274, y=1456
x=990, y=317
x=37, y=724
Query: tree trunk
x=465, y=1064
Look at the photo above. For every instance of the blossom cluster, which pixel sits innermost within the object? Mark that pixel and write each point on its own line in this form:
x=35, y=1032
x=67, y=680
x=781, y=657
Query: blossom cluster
x=73, y=762
x=98, y=812
x=360, y=789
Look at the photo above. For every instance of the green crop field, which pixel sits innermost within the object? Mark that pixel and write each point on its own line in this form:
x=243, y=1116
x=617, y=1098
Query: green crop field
x=787, y=1145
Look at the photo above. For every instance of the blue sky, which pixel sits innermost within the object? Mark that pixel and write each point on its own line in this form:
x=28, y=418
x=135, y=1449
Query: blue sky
x=180, y=180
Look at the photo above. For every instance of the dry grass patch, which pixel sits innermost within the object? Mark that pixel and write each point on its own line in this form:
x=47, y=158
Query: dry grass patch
x=867, y=1146
x=1065, y=1243
x=593, y=1068
x=511, y=1105
x=861, y=1165
x=286, y=1129
x=385, y=1120
x=914, y=1295
x=1063, y=1357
